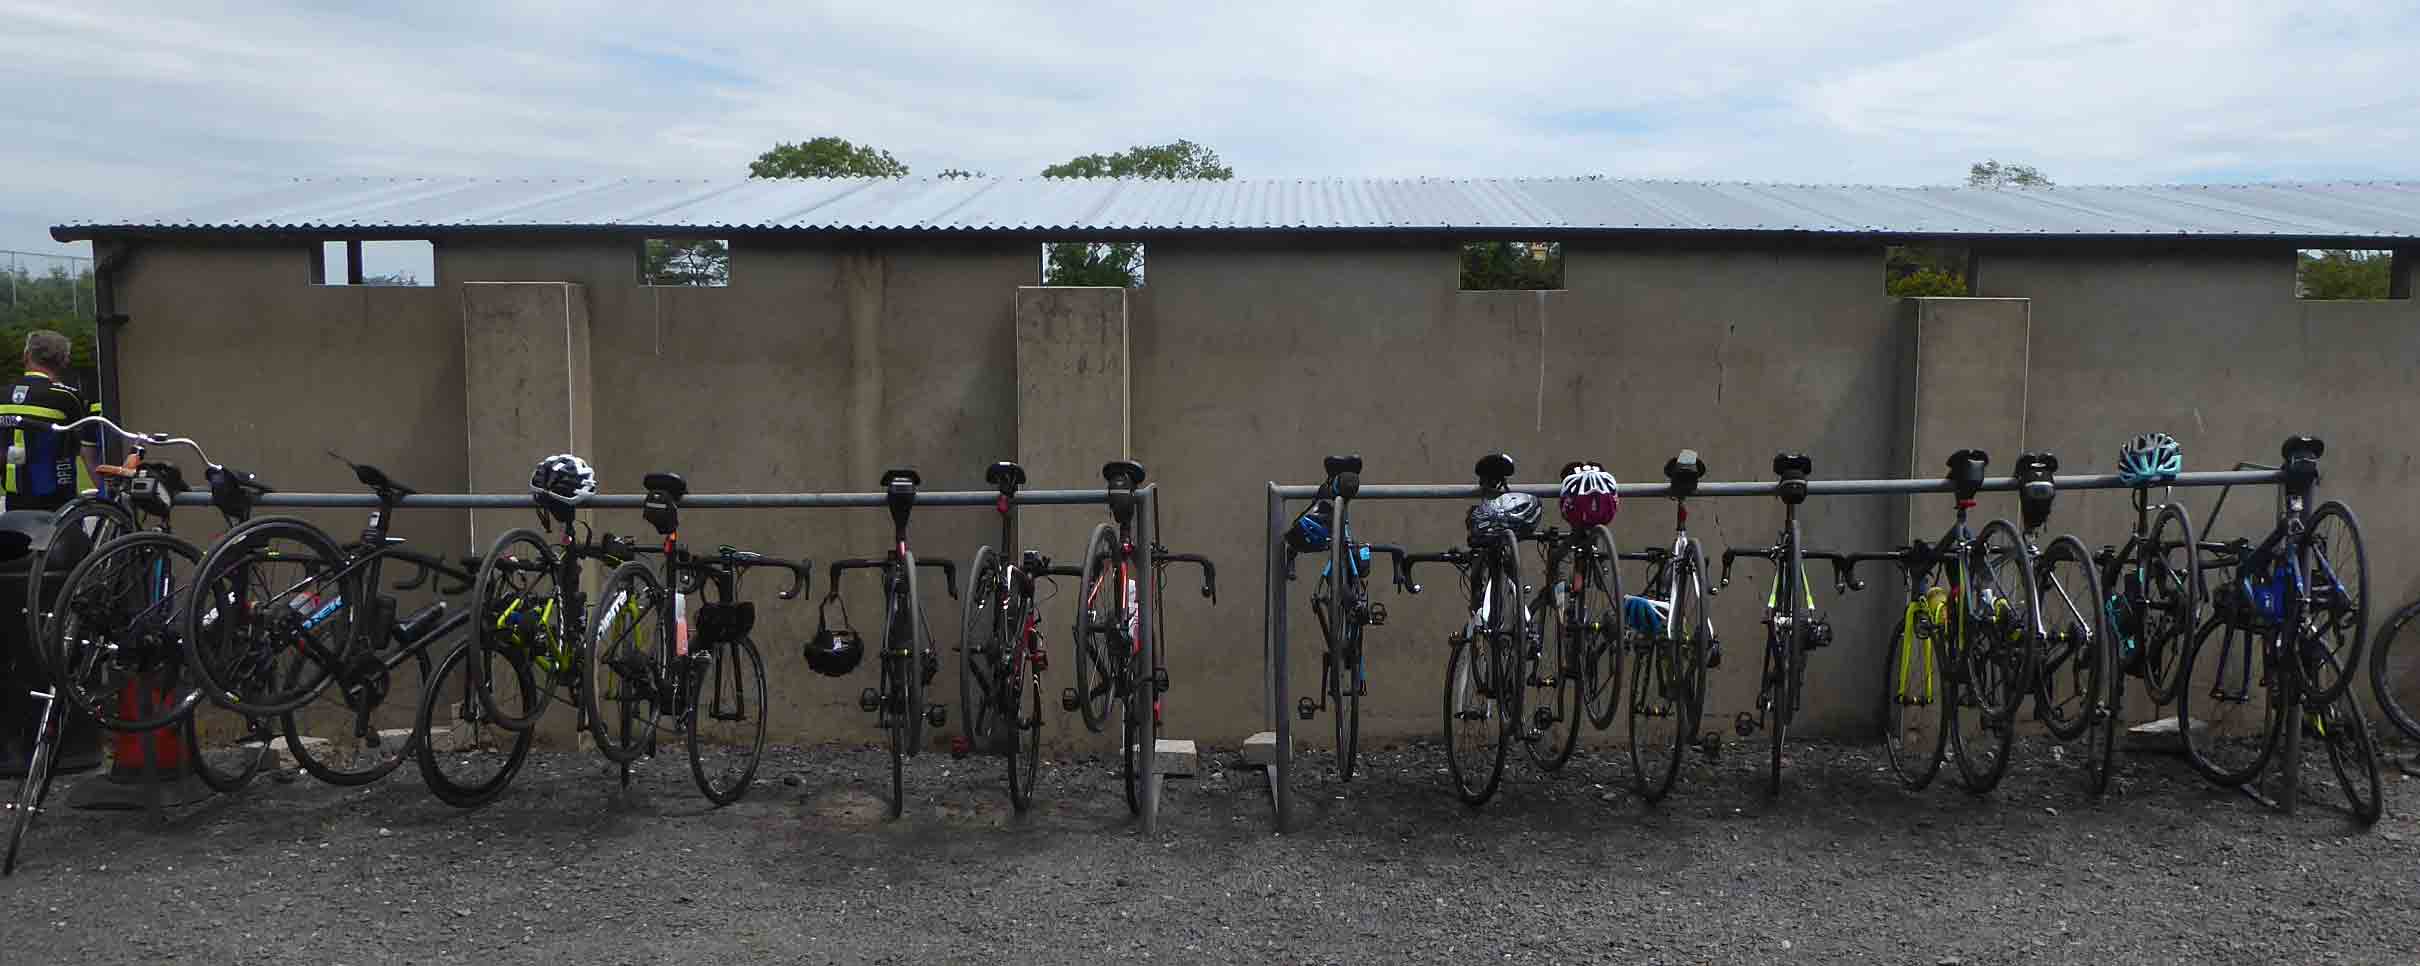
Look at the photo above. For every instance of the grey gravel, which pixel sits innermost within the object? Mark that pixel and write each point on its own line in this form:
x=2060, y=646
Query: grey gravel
x=1844, y=867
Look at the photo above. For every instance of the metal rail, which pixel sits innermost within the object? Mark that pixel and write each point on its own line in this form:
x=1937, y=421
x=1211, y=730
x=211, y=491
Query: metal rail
x=1146, y=525
x=1274, y=643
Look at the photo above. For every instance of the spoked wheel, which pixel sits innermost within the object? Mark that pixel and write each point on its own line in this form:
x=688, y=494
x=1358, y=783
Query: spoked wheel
x=1133, y=703
x=1345, y=674
x=227, y=749
x=1477, y=732
x=36, y=786
x=274, y=617
x=1917, y=697
x=1782, y=654
x=1601, y=644
x=725, y=717
x=2227, y=702
x=1667, y=684
x=1022, y=713
x=894, y=727
x=1995, y=654
x=2394, y=663
x=1093, y=633
x=513, y=612
x=345, y=746
x=2353, y=756
x=2167, y=588
x=624, y=655
x=1551, y=670
x=2339, y=611
x=465, y=756
x=79, y=528
x=983, y=641
x=2076, y=672
x=116, y=623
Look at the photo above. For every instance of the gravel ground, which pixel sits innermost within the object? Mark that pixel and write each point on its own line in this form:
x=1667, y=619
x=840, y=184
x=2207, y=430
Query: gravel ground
x=568, y=868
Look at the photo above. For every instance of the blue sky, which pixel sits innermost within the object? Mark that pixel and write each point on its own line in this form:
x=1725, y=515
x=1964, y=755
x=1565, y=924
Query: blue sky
x=148, y=106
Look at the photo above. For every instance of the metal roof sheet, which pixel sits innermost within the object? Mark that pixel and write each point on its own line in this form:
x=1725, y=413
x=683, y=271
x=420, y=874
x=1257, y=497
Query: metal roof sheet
x=2382, y=210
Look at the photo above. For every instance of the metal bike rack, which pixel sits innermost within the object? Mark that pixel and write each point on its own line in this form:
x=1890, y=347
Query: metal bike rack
x=1274, y=651
x=1145, y=529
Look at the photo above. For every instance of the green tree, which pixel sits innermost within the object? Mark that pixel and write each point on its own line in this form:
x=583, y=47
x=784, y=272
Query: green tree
x=826, y=157
x=1993, y=174
x=958, y=173
x=1121, y=263
x=57, y=299
x=2336, y=273
x=673, y=261
x=1498, y=266
x=1925, y=271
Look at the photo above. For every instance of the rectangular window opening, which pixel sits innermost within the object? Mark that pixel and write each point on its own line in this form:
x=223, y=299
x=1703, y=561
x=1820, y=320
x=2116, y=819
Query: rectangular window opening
x=388, y=264
x=685, y=262
x=1101, y=264
x=2332, y=274
x=1511, y=266
x=1926, y=271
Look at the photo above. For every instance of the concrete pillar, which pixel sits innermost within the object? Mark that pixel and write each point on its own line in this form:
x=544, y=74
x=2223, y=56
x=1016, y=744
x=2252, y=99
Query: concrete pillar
x=1073, y=414
x=1969, y=391
x=526, y=370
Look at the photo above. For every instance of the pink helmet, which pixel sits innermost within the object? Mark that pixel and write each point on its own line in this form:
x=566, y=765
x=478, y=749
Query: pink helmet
x=1589, y=498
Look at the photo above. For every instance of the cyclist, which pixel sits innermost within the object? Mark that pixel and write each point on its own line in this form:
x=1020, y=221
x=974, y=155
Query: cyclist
x=41, y=476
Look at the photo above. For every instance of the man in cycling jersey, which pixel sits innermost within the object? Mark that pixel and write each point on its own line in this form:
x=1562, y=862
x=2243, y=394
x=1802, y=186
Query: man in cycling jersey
x=41, y=476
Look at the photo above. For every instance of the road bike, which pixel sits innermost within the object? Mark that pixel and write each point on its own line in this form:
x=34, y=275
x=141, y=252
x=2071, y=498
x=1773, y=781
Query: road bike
x=1484, y=687
x=2154, y=589
x=704, y=674
x=908, y=662
x=1001, y=657
x=1341, y=603
x=1572, y=662
x=1792, y=625
x=2077, y=683
x=1670, y=630
x=1109, y=635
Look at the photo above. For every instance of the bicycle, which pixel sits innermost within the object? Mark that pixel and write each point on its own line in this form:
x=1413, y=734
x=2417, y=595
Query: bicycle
x=2078, y=685
x=704, y=680
x=1672, y=633
x=1341, y=603
x=1792, y=625
x=1108, y=635
x=1578, y=665
x=293, y=617
x=2153, y=584
x=1962, y=661
x=2297, y=603
x=1000, y=654
x=908, y=662
x=1484, y=685
x=2395, y=674
x=529, y=620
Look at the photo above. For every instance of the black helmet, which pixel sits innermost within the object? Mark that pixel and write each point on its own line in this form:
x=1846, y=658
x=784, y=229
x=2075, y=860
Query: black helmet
x=1515, y=513
x=563, y=480
x=834, y=653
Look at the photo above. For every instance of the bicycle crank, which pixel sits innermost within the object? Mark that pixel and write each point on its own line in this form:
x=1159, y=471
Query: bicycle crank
x=1745, y=724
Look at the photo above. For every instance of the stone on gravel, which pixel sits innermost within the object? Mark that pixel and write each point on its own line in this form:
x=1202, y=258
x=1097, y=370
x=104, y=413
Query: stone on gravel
x=1177, y=757
x=1261, y=749
x=2161, y=736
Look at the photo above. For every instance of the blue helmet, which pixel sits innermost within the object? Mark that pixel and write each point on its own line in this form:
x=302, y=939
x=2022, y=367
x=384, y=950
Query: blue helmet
x=2148, y=459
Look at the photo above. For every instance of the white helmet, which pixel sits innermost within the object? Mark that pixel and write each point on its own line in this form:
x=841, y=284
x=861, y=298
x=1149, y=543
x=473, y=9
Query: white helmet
x=562, y=481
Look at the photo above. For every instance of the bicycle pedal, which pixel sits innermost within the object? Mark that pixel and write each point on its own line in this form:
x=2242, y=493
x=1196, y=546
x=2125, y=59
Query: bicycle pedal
x=1745, y=725
x=1159, y=681
x=1377, y=614
x=1304, y=709
x=936, y=715
x=1710, y=744
x=1714, y=655
x=1067, y=699
x=869, y=700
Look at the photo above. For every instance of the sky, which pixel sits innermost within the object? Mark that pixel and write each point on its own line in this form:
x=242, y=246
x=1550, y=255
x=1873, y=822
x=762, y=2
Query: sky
x=135, y=107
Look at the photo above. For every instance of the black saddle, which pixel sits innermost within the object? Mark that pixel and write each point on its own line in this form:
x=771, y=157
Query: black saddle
x=1966, y=468
x=1005, y=476
x=2302, y=447
x=1684, y=471
x=1495, y=468
x=1126, y=472
x=1792, y=466
x=377, y=479
x=669, y=484
x=904, y=474
x=1340, y=465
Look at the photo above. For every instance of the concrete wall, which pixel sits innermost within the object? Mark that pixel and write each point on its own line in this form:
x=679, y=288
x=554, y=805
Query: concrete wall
x=1244, y=362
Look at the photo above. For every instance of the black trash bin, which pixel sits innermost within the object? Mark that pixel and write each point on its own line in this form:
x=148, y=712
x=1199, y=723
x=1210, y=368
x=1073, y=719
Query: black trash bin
x=20, y=668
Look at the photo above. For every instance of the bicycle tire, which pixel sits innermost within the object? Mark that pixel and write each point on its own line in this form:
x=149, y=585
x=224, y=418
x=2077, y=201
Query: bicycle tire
x=108, y=522
x=2353, y=754
x=2073, y=640
x=1025, y=759
x=94, y=676
x=35, y=787
x=1555, y=722
x=1471, y=711
x=2170, y=622
x=246, y=646
x=1131, y=765
x=1094, y=613
x=346, y=765
x=982, y=650
x=226, y=770
x=1603, y=649
x=920, y=644
x=500, y=594
x=1917, y=694
x=1666, y=683
x=2344, y=630
x=624, y=657
x=1348, y=674
x=471, y=750
x=2390, y=678
x=2226, y=718
x=1995, y=657
x=725, y=782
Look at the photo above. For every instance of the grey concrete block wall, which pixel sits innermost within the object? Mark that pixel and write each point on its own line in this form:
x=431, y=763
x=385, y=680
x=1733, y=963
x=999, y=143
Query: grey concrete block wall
x=822, y=364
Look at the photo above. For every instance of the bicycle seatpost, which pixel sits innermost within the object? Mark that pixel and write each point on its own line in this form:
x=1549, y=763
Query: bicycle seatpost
x=899, y=491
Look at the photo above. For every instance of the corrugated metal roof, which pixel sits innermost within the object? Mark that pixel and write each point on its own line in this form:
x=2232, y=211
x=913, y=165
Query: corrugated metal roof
x=2383, y=210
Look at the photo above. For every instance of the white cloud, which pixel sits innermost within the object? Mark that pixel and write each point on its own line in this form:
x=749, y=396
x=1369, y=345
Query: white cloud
x=152, y=105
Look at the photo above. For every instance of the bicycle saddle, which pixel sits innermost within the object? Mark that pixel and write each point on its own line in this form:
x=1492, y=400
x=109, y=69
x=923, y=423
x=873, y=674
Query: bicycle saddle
x=376, y=479
x=1966, y=468
x=1123, y=472
x=1495, y=468
x=901, y=473
x=1340, y=465
x=1005, y=475
x=2035, y=489
x=2301, y=447
x=1684, y=471
x=228, y=476
x=2042, y=465
x=669, y=484
x=1792, y=466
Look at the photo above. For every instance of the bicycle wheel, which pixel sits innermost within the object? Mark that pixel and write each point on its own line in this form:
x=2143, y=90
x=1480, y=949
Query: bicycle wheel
x=36, y=785
x=2339, y=610
x=2395, y=672
x=514, y=603
x=894, y=730
x=1021, y=697
x=2168, y=581
x=723, y=703
x=465, y=756
x=1995, y=653
x=625, y=658
x=919, y=656
x=1347, y=675
x=227, y=749
x=2071, y=679
x=115, y=625
x=1916, y=696
x=1598, y=621
x=982, y=652
x=1133, y=704
x=1551, y=674
x=1095, y=614
x=1477, y=732
x=2227, y=702
x=282, y=604
x=80, y=527
x=2353, y=756
x=337, y=738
